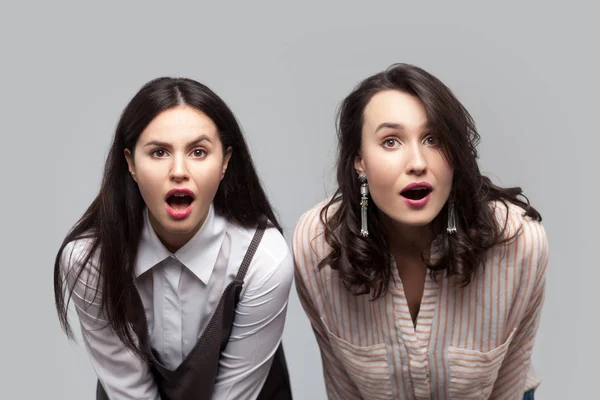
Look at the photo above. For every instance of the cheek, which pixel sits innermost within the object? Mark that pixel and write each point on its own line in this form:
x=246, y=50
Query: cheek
x=444, y=172
x=382, y=167
x=150, y=190
x=444, y=175
x=207, y=177
x=149, y=180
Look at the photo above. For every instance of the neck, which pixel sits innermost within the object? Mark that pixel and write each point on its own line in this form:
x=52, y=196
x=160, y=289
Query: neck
x=408, y=240
x=173, y=241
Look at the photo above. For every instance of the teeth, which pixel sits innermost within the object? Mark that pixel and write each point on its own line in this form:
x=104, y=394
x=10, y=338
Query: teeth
x=180, y=195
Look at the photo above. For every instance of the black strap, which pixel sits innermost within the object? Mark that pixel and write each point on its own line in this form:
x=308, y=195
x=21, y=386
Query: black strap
x=258, y=234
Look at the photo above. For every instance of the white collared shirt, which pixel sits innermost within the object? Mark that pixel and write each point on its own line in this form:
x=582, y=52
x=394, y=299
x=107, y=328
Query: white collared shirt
x=180, y=291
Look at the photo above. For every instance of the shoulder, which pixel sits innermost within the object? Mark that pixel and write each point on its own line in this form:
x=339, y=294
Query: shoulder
x=309, y=244
x=75, y=253
x=79, y=266
x=272, y=261
x=527, y=241
x=512, y=217
x=311, y=225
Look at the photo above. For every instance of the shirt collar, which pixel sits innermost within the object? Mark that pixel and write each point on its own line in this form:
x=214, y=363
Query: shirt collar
x=199, y=254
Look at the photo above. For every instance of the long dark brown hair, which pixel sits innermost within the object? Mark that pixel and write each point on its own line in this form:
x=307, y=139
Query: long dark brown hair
x=114, y=220
x=364, y=264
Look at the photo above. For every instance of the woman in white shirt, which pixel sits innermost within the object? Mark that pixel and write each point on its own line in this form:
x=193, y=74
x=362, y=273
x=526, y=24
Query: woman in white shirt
x=178, y=269
x=421, y=278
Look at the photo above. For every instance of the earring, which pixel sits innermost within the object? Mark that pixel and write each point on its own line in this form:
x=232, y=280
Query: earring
x=451, y=228
x=364, y=203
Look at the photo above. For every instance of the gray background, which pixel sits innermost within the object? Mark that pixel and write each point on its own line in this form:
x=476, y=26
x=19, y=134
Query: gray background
x=528, y=73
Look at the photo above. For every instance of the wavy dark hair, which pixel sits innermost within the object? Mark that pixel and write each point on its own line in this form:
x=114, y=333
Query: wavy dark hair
x=364, y=264
x=114, y=220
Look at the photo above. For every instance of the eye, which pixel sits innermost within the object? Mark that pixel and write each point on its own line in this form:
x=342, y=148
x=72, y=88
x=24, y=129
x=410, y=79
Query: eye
x=199, y=153
x=390, y=143
x=159, y=153
x=431, y=141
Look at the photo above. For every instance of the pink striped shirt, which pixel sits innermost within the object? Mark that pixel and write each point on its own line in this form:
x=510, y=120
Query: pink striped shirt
x=469, y=343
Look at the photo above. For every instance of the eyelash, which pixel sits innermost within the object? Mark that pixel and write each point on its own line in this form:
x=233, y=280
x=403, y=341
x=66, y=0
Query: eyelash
x=204, y=152
x=386, y=140
x=154, y=152
x=435, y=141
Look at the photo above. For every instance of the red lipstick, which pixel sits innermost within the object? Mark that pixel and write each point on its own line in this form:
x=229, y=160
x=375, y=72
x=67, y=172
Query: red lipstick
x=179, y=202
x=417, y=194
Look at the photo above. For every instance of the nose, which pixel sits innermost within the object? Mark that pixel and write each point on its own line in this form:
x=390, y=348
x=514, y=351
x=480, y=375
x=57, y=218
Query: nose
x=179, y=171
x=417, y=163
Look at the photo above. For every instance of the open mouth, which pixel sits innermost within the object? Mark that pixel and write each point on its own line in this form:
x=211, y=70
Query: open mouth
x=416, y=193
x=179, y=200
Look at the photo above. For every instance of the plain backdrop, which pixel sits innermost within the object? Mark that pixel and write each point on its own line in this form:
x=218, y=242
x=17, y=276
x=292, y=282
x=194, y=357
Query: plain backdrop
x=527, y=71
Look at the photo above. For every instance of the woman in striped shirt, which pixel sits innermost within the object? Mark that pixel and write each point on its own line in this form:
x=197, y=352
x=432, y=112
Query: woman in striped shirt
x=421, y=278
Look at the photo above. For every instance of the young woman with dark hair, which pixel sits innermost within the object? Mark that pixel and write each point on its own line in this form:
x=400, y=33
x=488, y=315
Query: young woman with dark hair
x=421, y=278
x=178, y=269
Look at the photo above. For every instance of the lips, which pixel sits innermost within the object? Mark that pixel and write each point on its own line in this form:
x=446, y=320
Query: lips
x=416, y=191
x=179, y=202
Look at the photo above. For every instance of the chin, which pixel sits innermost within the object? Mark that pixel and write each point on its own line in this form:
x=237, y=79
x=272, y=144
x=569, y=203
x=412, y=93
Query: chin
x=415, y=222
x=179, y=227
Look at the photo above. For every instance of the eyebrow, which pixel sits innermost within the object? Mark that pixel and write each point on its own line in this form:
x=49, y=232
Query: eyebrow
x=391, y=125
x=165, y=144
x=398, y=126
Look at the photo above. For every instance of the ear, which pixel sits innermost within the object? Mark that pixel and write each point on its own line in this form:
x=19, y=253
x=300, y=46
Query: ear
x=358, y=164
x=130, y=163
x=226, y=161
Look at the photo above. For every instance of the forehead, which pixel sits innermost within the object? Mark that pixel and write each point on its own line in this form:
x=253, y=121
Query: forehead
x=396, y=107
x=179, y=124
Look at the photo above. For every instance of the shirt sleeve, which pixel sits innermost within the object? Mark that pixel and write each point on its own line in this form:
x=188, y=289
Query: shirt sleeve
x=123, y=375
x=258, y=323
x=338, y=384
x=512, y=377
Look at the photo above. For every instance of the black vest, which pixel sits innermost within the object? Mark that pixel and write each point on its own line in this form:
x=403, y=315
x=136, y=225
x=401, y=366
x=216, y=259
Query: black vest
x=194, y=378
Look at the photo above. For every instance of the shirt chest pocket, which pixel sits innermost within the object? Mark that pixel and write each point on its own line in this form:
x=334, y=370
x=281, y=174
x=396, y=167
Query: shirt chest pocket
x=367, y=367
x=472, y=373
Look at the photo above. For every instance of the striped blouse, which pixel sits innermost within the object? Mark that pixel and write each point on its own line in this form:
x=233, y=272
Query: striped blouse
x=468, y=343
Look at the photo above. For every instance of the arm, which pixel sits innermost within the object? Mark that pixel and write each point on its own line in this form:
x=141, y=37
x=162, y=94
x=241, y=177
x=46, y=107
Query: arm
x=512, y=376
x=122, y=374
x=338, y=384
x=258, y=323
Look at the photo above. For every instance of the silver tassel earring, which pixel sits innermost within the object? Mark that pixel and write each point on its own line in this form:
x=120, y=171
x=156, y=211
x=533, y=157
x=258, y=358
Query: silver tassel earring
x=451, y=228
x=364, y=203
